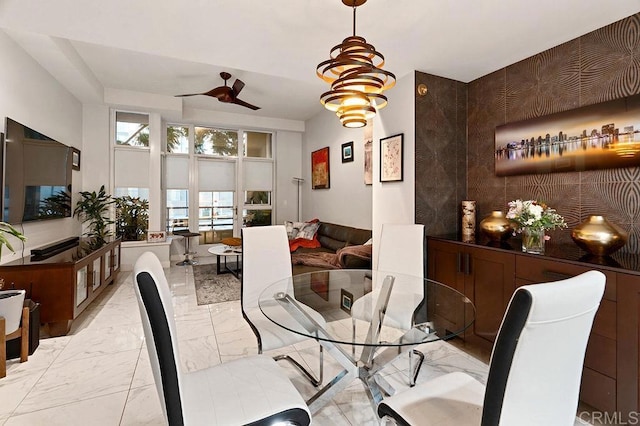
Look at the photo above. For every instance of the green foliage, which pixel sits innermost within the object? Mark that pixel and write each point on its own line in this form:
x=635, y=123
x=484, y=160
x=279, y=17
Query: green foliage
x=56, y=206
x=220, y=142
x=94, y=208
x=258, y=218
x=132, y=218
x=5, y=229
x=137, y=138
x=174, y=134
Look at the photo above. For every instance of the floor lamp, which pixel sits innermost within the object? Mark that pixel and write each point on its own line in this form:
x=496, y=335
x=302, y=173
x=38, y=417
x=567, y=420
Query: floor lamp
x=299, y=182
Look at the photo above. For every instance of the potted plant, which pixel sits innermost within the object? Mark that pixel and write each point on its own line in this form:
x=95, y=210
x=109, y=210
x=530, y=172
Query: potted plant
x=132, y=218
x=5, y=229
x=94, y=208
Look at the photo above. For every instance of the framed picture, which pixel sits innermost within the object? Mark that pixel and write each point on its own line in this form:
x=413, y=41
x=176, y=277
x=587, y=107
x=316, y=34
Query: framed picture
x=347, y=152
x=392, y=158
x=597, y=136
x=156, y=236
x=368, y=153
x=75, y=158
x=320, y=169
x=346, y=300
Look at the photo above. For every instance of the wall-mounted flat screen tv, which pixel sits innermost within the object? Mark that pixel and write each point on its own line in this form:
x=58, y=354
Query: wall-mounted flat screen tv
x=37, y=176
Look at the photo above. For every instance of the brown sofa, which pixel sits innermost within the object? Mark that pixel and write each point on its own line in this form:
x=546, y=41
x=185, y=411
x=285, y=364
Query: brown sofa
x=333, y=237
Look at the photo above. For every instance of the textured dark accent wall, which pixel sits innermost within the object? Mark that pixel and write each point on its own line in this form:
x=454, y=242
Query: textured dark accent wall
x=596, y=67
x=441, y=156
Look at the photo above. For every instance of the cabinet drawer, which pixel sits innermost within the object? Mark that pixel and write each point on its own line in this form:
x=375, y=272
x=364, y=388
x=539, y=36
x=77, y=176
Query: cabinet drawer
x=601, y=355
x=598, y=390
x=543, y=270
x=605, y=322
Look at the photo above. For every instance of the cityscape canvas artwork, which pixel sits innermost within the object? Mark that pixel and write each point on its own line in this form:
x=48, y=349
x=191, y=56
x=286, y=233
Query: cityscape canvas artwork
x=600, y=136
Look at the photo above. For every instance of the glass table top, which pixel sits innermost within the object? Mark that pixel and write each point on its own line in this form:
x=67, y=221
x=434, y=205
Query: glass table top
x=381, y=308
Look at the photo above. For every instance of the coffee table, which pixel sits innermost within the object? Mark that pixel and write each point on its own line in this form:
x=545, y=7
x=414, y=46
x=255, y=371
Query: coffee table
x=223, y=252
x=441, y=312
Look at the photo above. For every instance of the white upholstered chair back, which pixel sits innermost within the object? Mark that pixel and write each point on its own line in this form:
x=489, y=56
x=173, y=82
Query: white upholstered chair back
x=537, y=360
x=156, y=310
x=265, y=260
x=401, y=249
x=11, y=303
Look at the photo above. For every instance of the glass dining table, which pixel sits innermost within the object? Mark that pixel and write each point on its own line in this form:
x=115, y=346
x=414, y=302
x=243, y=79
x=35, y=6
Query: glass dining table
x=376, y=314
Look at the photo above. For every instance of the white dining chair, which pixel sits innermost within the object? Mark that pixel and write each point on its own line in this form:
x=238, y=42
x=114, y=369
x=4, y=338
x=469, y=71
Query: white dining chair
x=252, y=390
x=266, y=260
x=401, y=251
x=535, y=368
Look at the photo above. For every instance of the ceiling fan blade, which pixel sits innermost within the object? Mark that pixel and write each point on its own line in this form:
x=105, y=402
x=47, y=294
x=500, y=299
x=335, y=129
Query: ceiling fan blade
x=217, y=92
x=237, y=86
x=190, y=94
x=244, y=104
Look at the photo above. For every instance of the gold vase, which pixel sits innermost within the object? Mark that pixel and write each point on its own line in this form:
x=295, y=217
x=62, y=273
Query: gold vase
x=496, y=226
x=598, y=236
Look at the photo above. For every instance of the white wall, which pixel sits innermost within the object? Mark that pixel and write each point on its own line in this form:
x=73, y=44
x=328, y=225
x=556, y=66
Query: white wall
x=394, y=202
x=30, y=95
x=348, y=200
x=288, y=166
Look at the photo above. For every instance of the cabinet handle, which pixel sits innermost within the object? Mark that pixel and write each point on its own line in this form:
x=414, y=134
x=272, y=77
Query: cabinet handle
x=459, y=263
x=467, y=264
x=556, y=276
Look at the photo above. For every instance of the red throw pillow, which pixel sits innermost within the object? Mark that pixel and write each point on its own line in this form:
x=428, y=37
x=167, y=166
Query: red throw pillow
x=303, y=242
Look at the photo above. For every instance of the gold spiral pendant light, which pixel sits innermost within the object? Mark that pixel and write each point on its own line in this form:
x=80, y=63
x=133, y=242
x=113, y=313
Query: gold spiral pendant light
x=357, y=79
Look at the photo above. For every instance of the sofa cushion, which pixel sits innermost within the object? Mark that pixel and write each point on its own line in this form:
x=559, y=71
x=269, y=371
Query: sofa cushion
x=308, y=230
x=347, y=234
x=330, y=243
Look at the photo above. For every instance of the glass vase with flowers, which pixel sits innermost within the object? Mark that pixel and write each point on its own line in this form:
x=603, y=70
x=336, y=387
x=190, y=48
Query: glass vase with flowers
x=532, y=220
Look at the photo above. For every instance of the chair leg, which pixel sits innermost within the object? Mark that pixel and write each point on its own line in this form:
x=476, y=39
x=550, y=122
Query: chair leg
x=315, y=382
x=24, y=338
x=353, y=338
x=413, y=375
x=3, y=348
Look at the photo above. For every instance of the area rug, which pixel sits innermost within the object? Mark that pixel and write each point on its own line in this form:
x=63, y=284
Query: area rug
x=214, y=288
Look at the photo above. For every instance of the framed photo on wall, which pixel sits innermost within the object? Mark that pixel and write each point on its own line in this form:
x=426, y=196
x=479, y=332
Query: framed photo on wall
x=347, y=152
x=320, y=178
x=75, y=158
x=392, y=158
x=368, y=153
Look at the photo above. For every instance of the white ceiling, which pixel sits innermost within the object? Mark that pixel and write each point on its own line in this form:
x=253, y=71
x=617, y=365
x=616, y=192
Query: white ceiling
x=168, y=47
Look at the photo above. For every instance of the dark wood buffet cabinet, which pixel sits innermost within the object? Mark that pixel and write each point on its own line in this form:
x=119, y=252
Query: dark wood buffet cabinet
x=64, y=283
x=489, y=275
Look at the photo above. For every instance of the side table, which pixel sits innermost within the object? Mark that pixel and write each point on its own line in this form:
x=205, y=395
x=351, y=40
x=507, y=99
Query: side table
x=225, y=252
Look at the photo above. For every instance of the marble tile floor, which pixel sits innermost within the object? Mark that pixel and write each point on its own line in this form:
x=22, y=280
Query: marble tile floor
x=99, y=373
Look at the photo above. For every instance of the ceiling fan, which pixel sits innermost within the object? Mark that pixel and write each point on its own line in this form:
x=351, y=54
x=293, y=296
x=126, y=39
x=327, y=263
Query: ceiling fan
x=227, y=94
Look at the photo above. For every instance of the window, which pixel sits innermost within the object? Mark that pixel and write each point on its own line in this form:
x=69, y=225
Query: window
x=142, y=193
x=215, y=216
x=177, y=139
x=256, y=217
x=257, y=145
x=257, y=197
x=177, y=209
x=211, y=141
x=258, y=184
x=132, y=129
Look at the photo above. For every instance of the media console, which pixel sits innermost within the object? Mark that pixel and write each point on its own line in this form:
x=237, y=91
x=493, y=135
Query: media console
x=64, y=278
